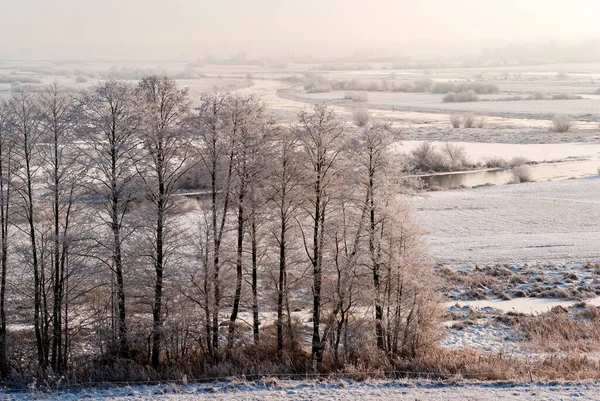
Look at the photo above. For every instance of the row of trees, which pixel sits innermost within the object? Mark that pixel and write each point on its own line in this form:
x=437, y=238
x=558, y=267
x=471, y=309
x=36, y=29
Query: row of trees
x=137, y=227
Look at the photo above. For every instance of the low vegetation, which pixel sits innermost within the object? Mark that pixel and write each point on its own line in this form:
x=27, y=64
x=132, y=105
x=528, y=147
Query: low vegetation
x=479, y=88
x=360, y=97
x=426, y=158
x=499, y=162
x=472, y=365
x=521, y=174
x=561, y=123
x=314, y=83
x=455, y=120
x=562, y=330
x=467, y=120
x=22, y=79
x=509, y=281
x=460, y=97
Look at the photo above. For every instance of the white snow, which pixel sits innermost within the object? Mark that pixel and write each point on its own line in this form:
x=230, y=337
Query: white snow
x=533, y=222
x=484, y=335
x=331, y=390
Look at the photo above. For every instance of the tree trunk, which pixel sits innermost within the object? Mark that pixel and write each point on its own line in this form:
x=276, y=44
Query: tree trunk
x=118, y=264
x=255, y=317
x=4, y=208
x=158, y=287
x=238, y=269
x=317, y=349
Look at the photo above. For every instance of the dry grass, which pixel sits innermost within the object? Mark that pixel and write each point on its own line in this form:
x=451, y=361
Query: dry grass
x=470, y=365
x=559, y=331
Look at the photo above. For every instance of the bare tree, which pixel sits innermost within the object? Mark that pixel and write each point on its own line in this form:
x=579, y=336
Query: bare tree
x=250, y=129
x=216, y=155
x=111, y=113
x=5, y=202
x=284, y=194
x=410, y=302
x=25, y=129
x=348, y=230
x=375, y=165
x=63, y=174
x=167, y=150
x=322, y=136
x=89, y=189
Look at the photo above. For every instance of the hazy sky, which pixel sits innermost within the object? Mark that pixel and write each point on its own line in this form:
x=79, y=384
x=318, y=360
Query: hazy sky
x=190, y=28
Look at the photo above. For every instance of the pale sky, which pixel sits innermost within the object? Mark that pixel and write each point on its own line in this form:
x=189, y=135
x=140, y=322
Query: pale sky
x=157, y=29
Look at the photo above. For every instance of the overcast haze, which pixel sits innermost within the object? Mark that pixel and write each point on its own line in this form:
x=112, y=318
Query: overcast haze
x=190, y=28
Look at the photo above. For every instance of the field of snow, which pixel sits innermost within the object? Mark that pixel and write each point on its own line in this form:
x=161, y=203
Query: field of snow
x=432, y=102
x=530, y=222
x=331, y=390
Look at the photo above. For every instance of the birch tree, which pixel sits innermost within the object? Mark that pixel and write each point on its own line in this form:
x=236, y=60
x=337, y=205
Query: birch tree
x=322, y=138
x=167, y=151
x=5, y=210
x=111, y=113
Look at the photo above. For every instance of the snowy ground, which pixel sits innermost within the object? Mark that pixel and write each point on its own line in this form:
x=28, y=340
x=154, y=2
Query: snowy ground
x=533, y=222
x=432, y=103
x=335, y=390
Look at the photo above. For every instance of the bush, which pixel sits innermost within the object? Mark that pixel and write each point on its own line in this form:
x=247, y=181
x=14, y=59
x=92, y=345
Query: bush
x=80, y=79
x=361, y=97
x=561, y=76
x=455, y=119
x=426, y=158
x=480, y=121
x=477, y=87
x=456, y=156
x=361, y=117
x=496, y=162
x=319, y=89
x=21, y=79
x=561, y=123
x=565, y=96
x=468, y=120
x=468, y=96
x=518, y=161
x=460, y=97
x=450, y=98
x=536, y=96
x=521, y=174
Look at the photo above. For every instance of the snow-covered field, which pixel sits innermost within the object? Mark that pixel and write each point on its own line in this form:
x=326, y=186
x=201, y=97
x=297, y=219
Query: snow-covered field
x=332, y=390
x=493, y=105
x=530, y=222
